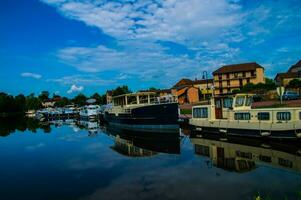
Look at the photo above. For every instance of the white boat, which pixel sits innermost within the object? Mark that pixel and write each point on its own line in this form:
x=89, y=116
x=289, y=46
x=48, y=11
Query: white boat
x=89, y=111
x=235, y=116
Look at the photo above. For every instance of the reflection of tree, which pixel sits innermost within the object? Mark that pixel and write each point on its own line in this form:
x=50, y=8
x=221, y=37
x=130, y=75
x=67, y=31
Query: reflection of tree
x=10, y=125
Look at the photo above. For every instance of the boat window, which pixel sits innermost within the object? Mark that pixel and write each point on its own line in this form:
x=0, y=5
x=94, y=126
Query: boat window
x=263, y=116
x=249, y=101
x=143, y=99
x=263, y=158
x=200, y=112
x=242, y=116
x=283, y=116
x=227, y=103
x=285, y=162
x=239, y=101
x=202, y=150
x=131, y=100
x=242, y=154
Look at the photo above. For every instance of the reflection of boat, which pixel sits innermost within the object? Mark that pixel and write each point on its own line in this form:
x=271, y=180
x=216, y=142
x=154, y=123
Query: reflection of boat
x=235, y=116
x=91, y=126
x=243, y=155
x=89, y=112
x=134, y=143
x=144, y=111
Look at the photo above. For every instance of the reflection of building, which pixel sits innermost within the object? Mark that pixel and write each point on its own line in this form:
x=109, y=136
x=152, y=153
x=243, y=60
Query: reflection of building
x=232, y=77
x=241, y=158
x=127, y=148
x=189, y=91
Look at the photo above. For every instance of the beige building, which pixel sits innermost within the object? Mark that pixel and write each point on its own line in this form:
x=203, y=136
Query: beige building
x=294, y=72
x=233, y=77
x=109, y=95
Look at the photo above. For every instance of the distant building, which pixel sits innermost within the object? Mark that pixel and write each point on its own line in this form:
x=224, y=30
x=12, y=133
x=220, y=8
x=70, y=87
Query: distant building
x=232, y=77
x=190, y=92
x=295, y=68
x=160, y=92
x=109, y=95
x=294, y=72
x=49, y=103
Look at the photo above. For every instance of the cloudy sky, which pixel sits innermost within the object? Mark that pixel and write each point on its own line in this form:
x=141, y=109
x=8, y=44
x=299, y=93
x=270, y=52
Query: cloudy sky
x=71, y=46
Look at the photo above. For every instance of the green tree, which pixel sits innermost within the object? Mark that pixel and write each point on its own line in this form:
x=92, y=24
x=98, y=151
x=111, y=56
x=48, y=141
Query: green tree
x=121, y=90
x=32, y=102
x=80, y=99
x=97, y=97
x=152, y=88
x=20, y=103
x=296, y=84
x=63, y=102
x=44, y=95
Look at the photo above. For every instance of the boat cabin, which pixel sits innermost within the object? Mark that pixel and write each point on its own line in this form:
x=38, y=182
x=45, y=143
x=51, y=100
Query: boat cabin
x=141, y=98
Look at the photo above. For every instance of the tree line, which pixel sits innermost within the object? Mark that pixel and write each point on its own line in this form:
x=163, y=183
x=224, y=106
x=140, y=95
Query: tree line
x=21, y=103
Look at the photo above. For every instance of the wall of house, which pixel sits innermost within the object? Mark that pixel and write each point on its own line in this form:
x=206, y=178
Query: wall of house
x=236, y=80
x=193, y=95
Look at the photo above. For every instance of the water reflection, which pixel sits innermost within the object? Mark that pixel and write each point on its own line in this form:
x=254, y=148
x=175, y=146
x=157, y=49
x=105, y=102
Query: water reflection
x=141, y=144
x=243, y=155
x=88, y=161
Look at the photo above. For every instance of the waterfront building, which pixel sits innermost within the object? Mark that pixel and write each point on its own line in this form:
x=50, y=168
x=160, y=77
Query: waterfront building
x=235, y=76
x=190, y=92
x=109, y=95
x=294, y=72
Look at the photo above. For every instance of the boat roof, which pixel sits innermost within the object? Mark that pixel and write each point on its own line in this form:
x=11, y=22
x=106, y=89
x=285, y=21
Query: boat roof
x=134, y=94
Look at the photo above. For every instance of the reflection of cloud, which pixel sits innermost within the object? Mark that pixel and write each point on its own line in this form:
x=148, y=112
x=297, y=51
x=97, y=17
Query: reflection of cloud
x=34, y=147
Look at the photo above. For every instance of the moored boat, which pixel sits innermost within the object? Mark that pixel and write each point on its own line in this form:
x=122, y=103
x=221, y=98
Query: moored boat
x=143, y=111
x=235, y=116
x=89, y=112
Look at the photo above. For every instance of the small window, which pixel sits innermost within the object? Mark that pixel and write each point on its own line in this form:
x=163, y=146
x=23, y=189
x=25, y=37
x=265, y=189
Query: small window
x=227, y=103
x=263, y=116
x=242, y=154
x=263, y=158
x=299, y=115
x=284, y=116
x=242, y=116
x=249, y=101
x=285, y=162
x=200, y=113
x=239, y=101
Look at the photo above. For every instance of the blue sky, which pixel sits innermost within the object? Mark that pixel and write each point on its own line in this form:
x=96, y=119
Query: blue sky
x=70, y=46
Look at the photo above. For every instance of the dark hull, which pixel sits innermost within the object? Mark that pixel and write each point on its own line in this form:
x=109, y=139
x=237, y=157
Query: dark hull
x=159, y=117
x=251, y=133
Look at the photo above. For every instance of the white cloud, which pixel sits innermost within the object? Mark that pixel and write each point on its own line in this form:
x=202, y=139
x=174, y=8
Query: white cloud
x=31, y=75
x=82, y=79
x=172, y=20
x=75, y=88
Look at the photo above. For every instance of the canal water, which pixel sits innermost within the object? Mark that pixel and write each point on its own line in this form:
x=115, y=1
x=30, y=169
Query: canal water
x=82, y=160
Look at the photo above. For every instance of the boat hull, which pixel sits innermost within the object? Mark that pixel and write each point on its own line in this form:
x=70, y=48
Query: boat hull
x=158, y=117
x=279, y=134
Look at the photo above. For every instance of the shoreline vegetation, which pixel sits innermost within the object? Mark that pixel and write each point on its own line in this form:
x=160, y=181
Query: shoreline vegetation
x=12, y=106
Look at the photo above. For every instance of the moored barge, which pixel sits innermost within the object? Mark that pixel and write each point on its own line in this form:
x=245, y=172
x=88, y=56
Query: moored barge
x=144, y=111
x=235, y=116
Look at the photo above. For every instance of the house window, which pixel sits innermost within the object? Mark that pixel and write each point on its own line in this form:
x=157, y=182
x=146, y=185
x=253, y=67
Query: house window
x=228, y=83
x=220, y=77
x=200, y=112
x=227, y=103
x=244, y=74
x=221, y=91
x=263, y=116
x=248, y=80
x=242, y=116
x=228, y=76
x=283, y=116
x=253, y=73
x=235, y=75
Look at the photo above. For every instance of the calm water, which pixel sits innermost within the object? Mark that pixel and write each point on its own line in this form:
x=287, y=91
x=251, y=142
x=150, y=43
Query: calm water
x=84, y=161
